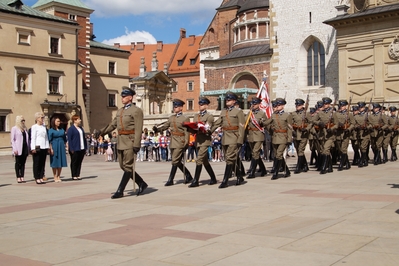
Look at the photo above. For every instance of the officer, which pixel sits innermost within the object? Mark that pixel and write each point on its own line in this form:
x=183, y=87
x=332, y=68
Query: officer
x=256, y=136
x=232, y=121
x=362, y=127
x=179, y=140
x=394, y=126
x=301, y=127
x=326, y=121
x=203, y=141
x=379, y=123
x=129, y=123
x=281, y=126
x=345, y=126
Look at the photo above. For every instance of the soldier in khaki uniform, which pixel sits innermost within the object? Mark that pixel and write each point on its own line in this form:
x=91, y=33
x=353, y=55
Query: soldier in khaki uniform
x=129, y=123
x=256, y=136
x=394, y=126
x=387, y=133
x=345, y=126
x=353, y=137
x=312, y=141
x=301, y=126
x=362, y=127
x=179, y=140
x=203, y=141
x=281, y=126
x=379, y=123
x=232, y=121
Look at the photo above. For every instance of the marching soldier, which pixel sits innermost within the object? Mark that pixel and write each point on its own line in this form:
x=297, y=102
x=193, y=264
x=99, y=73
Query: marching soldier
x=301, y=127
x=203, y=141
x=256, y=136
x=281, y=126
x=179, y=140
x=326, y=121
x=394, y=126
x=378, y=122
x=232, y=122
x=345, y=125
x=362, y=127
x=312, y=141
x=354, y=138
x=129, y=123
x=387, y=134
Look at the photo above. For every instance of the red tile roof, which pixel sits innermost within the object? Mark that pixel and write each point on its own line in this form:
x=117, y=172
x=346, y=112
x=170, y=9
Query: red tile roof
x=187, y=50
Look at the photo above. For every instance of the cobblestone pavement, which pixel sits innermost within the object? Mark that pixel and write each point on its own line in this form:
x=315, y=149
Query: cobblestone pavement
x=342, y=218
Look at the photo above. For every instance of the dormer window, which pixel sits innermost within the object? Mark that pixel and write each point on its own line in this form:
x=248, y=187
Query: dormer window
x=17, y=4
x=179, y=62
x=72, y=17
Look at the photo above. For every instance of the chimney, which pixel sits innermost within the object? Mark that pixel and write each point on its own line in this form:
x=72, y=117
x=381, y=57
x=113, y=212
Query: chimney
x=159, y=46
x=142, y=68
x=140, y=46
x=132, y=45
x=191, y=40
x=154, y=62
x=165, y=68
x=117, y=45
x=182, y=33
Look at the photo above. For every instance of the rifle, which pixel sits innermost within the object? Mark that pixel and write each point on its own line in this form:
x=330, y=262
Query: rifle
x=346, y=126
x=380, y=119
x=305, y=110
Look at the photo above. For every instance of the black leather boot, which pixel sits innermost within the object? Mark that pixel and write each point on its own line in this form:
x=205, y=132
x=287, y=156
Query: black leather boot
x=287, y=172
x=273, y=170
x=140, y=182
x=187, y=173
x=341, y=162
x=324, y=164
x=239, y=174
x=252, y=168
x=385, y=155
x=298, y=166
x=395, y=156
x=366, y=159
x=275, y=174
x=347, y=163
x=330, y=164
x=209, y=169
x=320, y=162
x=171, y=176
x=262, y=167
x=197, y=174
x=356, y=157
x=305, y=166
x=313, y=156
x=227, y=174
x=122, y=185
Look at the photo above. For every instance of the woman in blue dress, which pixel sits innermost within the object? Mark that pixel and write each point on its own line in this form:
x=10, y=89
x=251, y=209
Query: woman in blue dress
x=57, y=140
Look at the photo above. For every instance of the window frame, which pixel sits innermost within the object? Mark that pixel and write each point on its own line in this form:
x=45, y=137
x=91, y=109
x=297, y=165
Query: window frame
x=315, y=64
x=190, y=102
x=72, y=17
x=55, y=74
x=114, y=94
x=4, y=120
x=27, y=81
x=114, y=67
x=190, y=84
x=58, y=38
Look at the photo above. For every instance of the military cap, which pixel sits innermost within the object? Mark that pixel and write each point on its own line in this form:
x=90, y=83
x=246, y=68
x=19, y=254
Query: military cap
x=178, y=102
x=274, y=103
x=376, y=105
x=319, y=104
x=299, y=102
x=342, y=102
x=203, y=101
x=361, y=104
x=126, y=91
x=256, y=100
x=355, y=108
x=280, y=101
x=231, y=96
x=312, y=110
x=326, y=100
x=393, y=109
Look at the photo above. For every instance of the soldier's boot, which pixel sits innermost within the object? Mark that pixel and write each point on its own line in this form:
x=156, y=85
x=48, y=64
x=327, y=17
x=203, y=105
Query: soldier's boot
x=324, y=165
x=379, y=160
x=298, y=166
x=385, y=155
x=342, y=162
x=356, y=157
x=347, y=163
x=330, y=164
x=282, y=167
x=313, y=156
x=171, y=176
x=287, y=172
x=240, y=179
x=376, y=157
x=140, y=183
x=187, y=173
x=122, y=185
x=209, y=169
x=320, y=162
x=262, y=167
x=366, y=159
x=227, y=174
x=305, y=166
x=273, y=170
x=197, y=174
x=361, y=160
x=395, y=156
x=275, y=174
x=242, y=168
x=252, y=168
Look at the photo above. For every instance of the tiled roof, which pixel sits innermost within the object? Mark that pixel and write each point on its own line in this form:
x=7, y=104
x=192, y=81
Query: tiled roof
x=187, y=50
x=367, y=12
x=76, y=3
x=30, y=12
x=148, y=75
x=248, y=51
x=230, y=4
x=100, y=45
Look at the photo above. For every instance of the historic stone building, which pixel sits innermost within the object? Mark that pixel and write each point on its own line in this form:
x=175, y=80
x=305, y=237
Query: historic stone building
x=368, y=45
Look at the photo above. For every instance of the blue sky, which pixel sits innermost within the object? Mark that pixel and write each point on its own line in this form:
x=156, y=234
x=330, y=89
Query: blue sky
x=126, y=21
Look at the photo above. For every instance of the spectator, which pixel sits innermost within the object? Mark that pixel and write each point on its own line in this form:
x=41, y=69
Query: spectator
x=141, y=154
x=77, y=146
x=57, y=140
x=39, y=146
x=169, y=154
x=93, y=144
x=191, y=148
x=100, y=144
x=217, y=145
x=163, y=145
x=150, y=146
x=105, y=147
x=156, y=146
x=88, y=139
x=20, y=147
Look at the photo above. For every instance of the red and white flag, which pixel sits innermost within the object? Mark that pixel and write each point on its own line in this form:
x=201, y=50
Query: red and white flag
x=264, y=96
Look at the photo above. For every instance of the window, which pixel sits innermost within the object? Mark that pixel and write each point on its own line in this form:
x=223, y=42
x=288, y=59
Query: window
x=23, y=79
x=316, y=64
x=72, y=17
x=23, y=36
x=3, y=123
x=175, y=88
x=190, y=86
x=55, y=82
x=111, y=100
x=190, y=105
x=179, y=62
x=111, y=68
x=192, y=61
x=54, y=45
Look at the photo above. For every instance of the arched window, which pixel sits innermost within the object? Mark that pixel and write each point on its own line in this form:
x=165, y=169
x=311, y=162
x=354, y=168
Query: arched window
x=252, y=34
x=316, y=64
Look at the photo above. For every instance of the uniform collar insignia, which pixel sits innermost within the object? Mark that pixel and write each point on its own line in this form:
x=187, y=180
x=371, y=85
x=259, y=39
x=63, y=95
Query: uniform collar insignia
x=179, y=114
x=230, y=108
x=128, y=105
x=203, y=113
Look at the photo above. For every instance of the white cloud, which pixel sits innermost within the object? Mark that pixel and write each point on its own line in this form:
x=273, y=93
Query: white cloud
x=116, y=8
x=132, y=36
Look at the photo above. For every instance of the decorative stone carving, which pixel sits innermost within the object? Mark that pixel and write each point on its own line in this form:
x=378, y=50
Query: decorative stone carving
x=393, y=49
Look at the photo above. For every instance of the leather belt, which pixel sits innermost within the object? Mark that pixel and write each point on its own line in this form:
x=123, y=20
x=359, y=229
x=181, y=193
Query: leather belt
x=280, y=130
x=177, y=134
x=126, y=132
x=253, y=129
x=230, y=128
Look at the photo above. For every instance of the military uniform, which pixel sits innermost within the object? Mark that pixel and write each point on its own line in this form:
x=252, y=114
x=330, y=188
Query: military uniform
x=353, y=137
x=394, y=126
x=362, y=127
x=232, y=122
x=179, y=141
x=256, y=137
x=379, y=123
x=203, y=141
x=129, y=123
